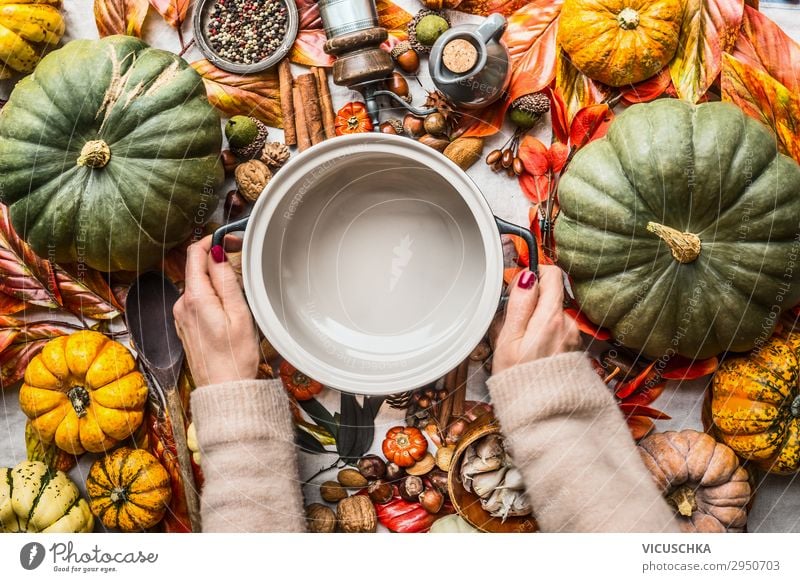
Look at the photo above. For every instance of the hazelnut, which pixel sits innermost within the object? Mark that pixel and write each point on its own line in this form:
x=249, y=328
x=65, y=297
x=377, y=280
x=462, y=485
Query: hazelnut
x=435, y=124
x=413, y=126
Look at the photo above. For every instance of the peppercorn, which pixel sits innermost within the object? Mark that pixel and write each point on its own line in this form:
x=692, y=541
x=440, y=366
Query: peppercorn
x=245, y=31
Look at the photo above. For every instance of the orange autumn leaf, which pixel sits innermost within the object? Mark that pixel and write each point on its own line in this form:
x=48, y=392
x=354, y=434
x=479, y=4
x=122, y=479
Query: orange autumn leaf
x=10, y=305
x=586, y=326
x=558, y=116
x=523, y=254
x=510, y=273
x=531, y=41
x=257, y=95
x=709, y=29
x=393, y=18
x=173, y=11
x=680, y=368
x=629, y=409
x=590, y=123
x=762, y=44
x=576, y=89
x=486, y=7
x=120, y=16
x=626, y=389
x=640, y=426
x=483, y=123
x=647, y=90
x=763, y=98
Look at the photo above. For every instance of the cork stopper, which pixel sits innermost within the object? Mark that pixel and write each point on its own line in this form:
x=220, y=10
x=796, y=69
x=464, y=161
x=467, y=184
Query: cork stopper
x=459, y=55
x=685, y=246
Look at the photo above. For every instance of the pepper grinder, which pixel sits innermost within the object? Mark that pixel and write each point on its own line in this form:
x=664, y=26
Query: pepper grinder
x=354, y=37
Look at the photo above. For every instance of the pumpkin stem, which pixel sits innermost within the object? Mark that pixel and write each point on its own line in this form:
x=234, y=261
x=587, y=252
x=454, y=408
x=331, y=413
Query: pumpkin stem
x=95, y=154
x=118, y=495
x=685, y=246
x=795, y=407
x=684, y=500
x=628, y=19
x=79, y=398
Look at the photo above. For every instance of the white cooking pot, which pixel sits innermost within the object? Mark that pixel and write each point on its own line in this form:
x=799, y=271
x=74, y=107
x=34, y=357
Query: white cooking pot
x=372, y=263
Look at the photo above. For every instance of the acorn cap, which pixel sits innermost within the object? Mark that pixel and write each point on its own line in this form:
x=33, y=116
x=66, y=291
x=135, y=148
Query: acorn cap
x=400, y=48
x=532, y=103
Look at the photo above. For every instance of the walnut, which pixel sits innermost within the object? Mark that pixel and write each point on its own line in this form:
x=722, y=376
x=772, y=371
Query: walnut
x=275, y=154
x=251, y=178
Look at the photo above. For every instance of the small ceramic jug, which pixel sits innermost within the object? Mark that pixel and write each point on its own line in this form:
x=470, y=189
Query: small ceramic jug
x=470, y=65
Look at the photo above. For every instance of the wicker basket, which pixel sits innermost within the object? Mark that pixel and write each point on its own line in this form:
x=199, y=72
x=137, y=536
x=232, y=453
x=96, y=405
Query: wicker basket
x=468, y=504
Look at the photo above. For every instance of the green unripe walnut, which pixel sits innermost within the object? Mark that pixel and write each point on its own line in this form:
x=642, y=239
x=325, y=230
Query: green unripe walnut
x=241, y=131
x=430, y=28
x=523, y=119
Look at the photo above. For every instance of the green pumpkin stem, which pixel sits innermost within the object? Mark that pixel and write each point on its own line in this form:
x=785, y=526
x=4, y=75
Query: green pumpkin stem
x=685, y=246
x=79, y=398
x=684, y=500
x=95, y=154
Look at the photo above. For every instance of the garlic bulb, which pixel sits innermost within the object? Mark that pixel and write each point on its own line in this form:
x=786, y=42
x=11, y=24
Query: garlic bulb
x=488, y=471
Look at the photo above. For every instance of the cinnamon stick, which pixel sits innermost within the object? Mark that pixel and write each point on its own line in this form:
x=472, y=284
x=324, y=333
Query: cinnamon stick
x=286, y=82
x=446, y=405
x=326, y=102
x=459, y=396
x=310, y=102
x=303, y=140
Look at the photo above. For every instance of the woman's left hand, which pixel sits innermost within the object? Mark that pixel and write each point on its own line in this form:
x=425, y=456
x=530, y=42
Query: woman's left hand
x=214, y=321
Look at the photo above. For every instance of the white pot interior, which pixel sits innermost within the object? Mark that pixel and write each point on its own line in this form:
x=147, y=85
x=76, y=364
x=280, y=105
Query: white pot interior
x=373, y=269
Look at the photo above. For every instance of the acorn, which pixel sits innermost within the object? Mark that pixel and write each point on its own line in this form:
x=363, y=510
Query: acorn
x=405, y=57
x=398, y=85
x=247, y=136
x=525, y=111
x=392, y=126
x=425, y=28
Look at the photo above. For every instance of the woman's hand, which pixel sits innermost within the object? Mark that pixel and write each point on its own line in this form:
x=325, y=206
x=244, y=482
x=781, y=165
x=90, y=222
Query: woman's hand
x=535, y=325
x=214, y=321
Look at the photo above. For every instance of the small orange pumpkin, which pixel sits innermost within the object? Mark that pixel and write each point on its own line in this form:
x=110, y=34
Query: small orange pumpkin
x=404, y=445
x=619, y=42
x=300, y=386
x=353, y=118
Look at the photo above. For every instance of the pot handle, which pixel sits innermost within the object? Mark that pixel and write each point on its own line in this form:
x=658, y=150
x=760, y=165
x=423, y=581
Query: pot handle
x=219, y=235
x=506, y=227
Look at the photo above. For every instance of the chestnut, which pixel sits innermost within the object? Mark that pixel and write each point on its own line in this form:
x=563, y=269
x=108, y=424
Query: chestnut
x=394, y=472
x=371, y=467
x=431, y=500
x=438, y=480
x=380, y=492
x=229, y=161
x=235, y=204
x=411, y=488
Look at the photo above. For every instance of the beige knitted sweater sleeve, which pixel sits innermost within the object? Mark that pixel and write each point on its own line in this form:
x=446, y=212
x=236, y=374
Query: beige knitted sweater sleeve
x=580, y=465
x=249, y=459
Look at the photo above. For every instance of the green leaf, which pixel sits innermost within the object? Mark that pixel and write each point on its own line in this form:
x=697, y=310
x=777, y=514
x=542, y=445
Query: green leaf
x=319, y=414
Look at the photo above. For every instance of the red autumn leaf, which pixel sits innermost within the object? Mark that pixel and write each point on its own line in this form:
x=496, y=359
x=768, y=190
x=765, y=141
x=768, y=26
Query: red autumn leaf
x=557, y=156
x=647, y=395
x=640, y=426
x=586, y=326
x=709, y=29
x=15, y=359
x=120, y=16
x=486, y=7
x=558, y=116
x=531, y=41
x=10, y=305
x=629, y=409
x=86, y=293
x=533, y=154
x=763, y=98
x=590, y=123
x=647, y=90
x=483, y=123
x=625, y=389
x=680, y=368
x=174, y=264
x=23, y=275
x=173, y=11
x=536, y=188
x=257, y=94
x=576, y=89
x=762, y=44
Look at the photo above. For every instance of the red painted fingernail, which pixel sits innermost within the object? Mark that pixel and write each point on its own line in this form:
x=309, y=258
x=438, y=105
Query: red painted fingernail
x=527, y=280
x=218, y=254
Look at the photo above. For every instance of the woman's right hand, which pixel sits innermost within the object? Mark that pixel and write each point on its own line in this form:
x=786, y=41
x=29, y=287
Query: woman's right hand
x=535, y=325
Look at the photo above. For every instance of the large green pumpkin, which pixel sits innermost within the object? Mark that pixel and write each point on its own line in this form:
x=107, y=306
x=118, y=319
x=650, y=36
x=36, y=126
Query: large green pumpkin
x=109, y=154
x=680, y=229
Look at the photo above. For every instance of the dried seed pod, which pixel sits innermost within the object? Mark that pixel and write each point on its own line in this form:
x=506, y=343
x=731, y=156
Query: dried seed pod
x=332, y=491
x=234, y=204
x=510, y=172
x=252, y=177
x=398, y=85
x=422, y=467
x=435, y=124
x=229, y=161
x=497, y=166
x=518, y=166
x=380, y=492
x=465, y=151
x=508, y=158
x=493, y=157
x=432, y=500
x=441, y=395
x=320, y=519
x=411, y=488
x=437, y=143
x=371, y=467
x=275, y=154
x=351, y=478
x=413, y=126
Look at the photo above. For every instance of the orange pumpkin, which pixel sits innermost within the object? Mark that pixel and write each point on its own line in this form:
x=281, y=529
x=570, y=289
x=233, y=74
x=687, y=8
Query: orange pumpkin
x=619, y=42
x=353, y=118
x=300, y=386
x=404, y=445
